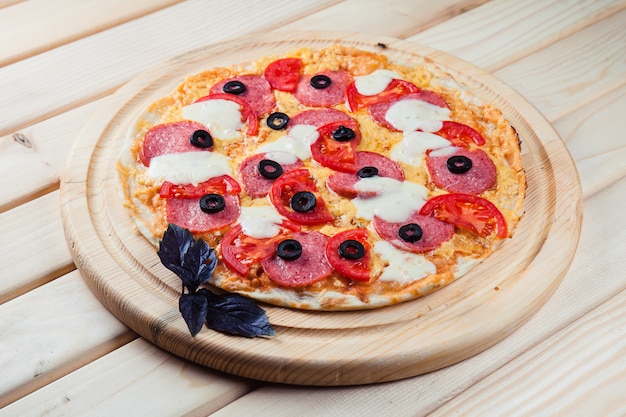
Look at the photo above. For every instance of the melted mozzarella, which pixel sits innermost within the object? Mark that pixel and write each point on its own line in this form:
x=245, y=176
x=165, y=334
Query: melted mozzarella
x=395, y=200
x=298, y=142
x=222, y=117
x=189, y=167
x=375, y=82
x=283, y=158
x=403, y=267
x=412, y=114
x=260, y=221
x=413, y=147
x=444, y=151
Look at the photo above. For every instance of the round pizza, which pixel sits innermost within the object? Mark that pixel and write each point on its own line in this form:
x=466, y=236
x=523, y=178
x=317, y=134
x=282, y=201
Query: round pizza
x=327, y=179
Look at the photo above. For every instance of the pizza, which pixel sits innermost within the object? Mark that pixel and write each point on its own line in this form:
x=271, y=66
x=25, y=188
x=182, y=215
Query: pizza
x=327, y=179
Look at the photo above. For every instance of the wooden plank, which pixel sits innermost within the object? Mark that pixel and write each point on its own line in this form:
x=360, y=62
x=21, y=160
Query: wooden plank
x=35, y=26
x=408, y=17
x=32, y=159
x=504, y=31
x=136, y=379
x=590, y=132
x=34, y=351
x=580, y=371
x=22, y=241
x=45, y=85
x=577, y=70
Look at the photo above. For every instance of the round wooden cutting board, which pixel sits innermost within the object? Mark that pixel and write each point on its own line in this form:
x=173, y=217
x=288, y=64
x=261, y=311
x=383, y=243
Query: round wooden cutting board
x=324, y=348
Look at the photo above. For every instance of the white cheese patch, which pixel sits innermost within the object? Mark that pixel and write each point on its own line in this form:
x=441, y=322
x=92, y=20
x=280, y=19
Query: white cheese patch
x=445, y=151
x=411, y=114
x=222, y=117
x=375, y=82
x=260, y=221
x=412, y=149
x=298, y=142
x=283, y=158
x=189, y=167
x=395, y=200
x=403, y=267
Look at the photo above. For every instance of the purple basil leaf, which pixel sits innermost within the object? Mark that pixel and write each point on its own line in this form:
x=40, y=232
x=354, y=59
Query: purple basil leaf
x=200, y=261
x=175, y=242
x=193, y=308
x=236, y=315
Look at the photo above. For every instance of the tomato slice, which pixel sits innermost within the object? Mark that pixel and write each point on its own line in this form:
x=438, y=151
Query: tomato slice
x=240, y=251
x=284, y=189
x=460, y=134
x=395, y=89
x=221, y=185
x=334, y=154
x=248, y=115
x=467, y=211
x=284, y=74
x=356, y=269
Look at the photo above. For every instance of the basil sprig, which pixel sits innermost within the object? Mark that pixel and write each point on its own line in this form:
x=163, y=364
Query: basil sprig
x=193, y=261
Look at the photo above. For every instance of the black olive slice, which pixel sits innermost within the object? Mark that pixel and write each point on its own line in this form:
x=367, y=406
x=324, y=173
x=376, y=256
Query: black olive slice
x=201, y=139
x=320, y=81
x=277, y=120
x=234, y=87
x=289, y=249
x=411, y=232
x=303, y=201
x=270, y=169
x=351, y=249
x=343, y=134
x=367, y=172
x=212, y=203
x=459, y=164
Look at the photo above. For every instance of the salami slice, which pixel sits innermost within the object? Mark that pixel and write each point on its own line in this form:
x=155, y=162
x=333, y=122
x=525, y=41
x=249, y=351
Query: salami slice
x=378, y=111
x=169, y=138
x=258, y=172
x=459, y=170
x=309, y=267
x=368, y=164
x=329, y=91
x=418, y=234
x=257, y=92
x=186, y=213
x=318, y=117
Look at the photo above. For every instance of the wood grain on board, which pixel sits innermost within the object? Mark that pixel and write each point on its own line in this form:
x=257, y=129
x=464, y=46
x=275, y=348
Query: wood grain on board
x=107, y=252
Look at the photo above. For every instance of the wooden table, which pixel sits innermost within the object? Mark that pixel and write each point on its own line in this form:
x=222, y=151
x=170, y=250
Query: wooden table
x=63, y=353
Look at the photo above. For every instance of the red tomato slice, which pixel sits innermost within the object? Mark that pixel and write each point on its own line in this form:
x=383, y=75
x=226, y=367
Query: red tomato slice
x=248, y=115
x=356, y=269
x=222, y=185
x=395, y=89
x=284, y=74
x=460, y=134
x=467, y=211
x=290, y=183
x=240, y=251
x=333, y=154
